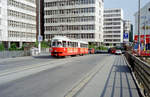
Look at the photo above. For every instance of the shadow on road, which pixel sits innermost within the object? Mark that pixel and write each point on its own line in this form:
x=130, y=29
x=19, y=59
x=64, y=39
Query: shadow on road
x=122, y=68
x=47, y=57
x=119, y=72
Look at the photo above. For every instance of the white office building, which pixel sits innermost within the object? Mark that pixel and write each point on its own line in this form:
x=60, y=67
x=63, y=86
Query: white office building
x=113, y=27
x=81, y=19
x=17, y=21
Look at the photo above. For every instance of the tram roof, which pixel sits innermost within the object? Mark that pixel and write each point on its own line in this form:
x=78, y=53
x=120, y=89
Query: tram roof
x=64, y=38
x=61, y=38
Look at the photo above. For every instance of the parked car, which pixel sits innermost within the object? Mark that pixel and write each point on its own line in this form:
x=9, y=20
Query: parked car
x=91, y=50
x=118, y=52
x=123, y=51
x=113, y=50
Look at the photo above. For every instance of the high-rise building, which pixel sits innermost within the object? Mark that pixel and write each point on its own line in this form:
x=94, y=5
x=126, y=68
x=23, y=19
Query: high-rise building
x=144, y=25
x=81, y=19
x=18, y=21
x=113, y=27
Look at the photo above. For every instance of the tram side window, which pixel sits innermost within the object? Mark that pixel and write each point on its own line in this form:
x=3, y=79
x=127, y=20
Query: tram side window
x=64, y=44
x=74, y=45
x=69, y=44
x=86, y=45
x=83, y=45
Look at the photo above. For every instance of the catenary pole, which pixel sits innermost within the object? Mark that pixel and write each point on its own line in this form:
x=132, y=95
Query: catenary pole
x=139, y=12
x=39, y=34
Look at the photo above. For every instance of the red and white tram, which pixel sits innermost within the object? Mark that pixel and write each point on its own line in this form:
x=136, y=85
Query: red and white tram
x=63, y=46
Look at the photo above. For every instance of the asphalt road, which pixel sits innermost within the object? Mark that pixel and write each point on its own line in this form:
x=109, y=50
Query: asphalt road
x=23, y=61
x=50, y=77
x=52, y=82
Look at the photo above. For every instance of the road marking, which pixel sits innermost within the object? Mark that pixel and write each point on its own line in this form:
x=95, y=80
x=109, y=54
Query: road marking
x=84, y=81
x=23, y=68
x=28, y=67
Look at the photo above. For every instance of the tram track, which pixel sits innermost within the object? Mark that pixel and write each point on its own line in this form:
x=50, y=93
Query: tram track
x=22, y=71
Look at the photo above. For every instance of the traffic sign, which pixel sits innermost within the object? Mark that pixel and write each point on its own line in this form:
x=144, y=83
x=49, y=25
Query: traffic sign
x=125, y=36
x=40, y=38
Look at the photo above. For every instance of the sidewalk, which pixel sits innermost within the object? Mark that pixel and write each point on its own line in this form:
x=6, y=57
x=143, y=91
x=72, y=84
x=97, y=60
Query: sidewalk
x=113, y=80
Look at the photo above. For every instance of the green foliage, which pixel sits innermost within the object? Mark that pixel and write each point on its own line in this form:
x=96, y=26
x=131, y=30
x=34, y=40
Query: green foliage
x=102, y=48
x=22, y=48
x=44, y=44
x=1, y=47
x=98, y=48
x=36, y=44
x=92, y=46
x=13, y=47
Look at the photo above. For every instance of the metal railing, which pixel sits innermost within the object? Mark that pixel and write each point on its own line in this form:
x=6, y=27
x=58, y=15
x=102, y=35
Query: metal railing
x=141, y=71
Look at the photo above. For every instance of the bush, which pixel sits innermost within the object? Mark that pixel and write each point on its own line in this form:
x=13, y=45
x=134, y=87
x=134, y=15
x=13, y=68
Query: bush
x=92, y=46
x=44, y=44
x=13, y=47
x=102, y=48
x=2, y=47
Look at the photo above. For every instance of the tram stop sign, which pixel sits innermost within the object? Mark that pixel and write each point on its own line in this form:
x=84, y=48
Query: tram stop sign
x=40, y=38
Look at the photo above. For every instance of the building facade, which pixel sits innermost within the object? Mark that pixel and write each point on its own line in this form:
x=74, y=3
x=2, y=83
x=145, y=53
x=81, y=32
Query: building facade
x=18, y=21
x=126, y=30
x=80, y=19
x=144, y=25
x=113, y=27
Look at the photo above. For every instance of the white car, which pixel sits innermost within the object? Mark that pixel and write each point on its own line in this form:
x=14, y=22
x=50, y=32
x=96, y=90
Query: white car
x=118, y=52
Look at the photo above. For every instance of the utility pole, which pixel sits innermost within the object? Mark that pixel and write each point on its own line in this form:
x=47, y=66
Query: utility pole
x=39, y=34
x=139, y=12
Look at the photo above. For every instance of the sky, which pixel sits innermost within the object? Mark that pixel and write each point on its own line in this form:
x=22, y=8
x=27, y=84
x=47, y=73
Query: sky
x=129, y=6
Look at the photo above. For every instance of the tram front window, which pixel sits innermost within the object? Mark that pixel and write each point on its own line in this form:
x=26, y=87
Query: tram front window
x=54, y=44
x=59, y=44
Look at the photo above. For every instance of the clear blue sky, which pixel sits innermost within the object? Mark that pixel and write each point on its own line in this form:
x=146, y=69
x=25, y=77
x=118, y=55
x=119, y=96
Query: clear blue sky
x=129, y=6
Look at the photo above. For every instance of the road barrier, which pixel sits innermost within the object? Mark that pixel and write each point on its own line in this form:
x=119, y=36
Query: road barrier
x=141, y=71
x=10, y=54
